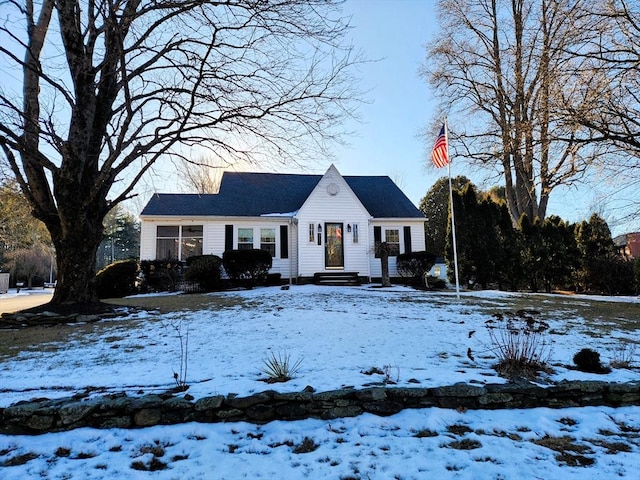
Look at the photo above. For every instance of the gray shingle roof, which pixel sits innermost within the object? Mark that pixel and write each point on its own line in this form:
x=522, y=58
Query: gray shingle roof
x=254, y=194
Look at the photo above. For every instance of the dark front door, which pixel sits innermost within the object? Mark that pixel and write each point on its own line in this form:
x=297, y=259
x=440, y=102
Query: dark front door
x=333, y=245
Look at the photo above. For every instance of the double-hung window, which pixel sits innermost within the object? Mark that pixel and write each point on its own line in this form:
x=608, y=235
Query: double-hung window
x=392, y=237
x=245, y=238
x=268, y=240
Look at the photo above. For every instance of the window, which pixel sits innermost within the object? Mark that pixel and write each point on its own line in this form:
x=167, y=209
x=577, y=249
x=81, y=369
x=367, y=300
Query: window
x=355, y=233
x=312, y=232
x=268, y=240
x=392, y=237
x=245, y=238
x=191, y=241
x=177, y=242
x=167, y=242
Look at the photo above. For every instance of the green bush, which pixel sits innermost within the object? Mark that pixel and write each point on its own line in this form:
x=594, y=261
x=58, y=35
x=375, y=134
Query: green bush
x=205, y=270
x=588, y=360
x=247, y=267
x=117, y=280
x=159, y=275
x=414, y=265
x=436, y=282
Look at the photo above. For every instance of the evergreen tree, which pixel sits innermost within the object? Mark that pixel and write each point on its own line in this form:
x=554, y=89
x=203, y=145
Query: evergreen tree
x=476, y=238
x=435, y=206
x=508, y=269
x=597, y=250
x=121, y=239
x=560, y=253
x=532, y=251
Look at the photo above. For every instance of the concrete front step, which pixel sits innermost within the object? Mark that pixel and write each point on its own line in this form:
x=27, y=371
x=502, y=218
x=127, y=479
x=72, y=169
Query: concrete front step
x=336, y=278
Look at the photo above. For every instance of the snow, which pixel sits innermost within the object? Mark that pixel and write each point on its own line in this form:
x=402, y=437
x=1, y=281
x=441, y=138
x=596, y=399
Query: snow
x=338, y=333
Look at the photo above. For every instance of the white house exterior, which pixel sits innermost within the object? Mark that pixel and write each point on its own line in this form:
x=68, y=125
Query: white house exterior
x=309, y=223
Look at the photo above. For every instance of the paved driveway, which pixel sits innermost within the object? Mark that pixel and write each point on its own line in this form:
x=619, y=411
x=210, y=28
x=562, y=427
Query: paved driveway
x=13, y=301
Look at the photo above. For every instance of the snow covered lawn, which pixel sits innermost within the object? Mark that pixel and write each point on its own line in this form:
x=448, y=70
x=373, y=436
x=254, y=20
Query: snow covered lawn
x=418, y=338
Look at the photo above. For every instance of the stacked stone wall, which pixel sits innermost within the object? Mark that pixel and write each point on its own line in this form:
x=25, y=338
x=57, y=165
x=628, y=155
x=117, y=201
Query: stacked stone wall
x=122, y=411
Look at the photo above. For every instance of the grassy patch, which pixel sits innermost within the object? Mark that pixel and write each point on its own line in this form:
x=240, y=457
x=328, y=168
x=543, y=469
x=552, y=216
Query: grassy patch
x=306, y=446
x=611, y=447
x=19, y=460
x=153, y=465
x=464, y=444
x=459, y=429
x=569, y=452
x=178, y=303
x=62, y=452
x=425, y=433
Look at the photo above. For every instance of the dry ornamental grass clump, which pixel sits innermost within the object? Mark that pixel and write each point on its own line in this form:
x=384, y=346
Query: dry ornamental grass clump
x=521, y=343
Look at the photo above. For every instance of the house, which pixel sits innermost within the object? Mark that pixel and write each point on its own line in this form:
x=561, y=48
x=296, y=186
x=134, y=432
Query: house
x=309, y=223
x=628, y=245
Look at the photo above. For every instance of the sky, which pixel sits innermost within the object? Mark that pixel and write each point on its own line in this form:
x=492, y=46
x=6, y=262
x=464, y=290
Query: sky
x=338, y=334
x=393, y=136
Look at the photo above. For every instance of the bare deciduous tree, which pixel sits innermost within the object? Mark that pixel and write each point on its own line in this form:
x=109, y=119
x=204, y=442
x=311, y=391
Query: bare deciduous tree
x=110, y=86
x=501, y=67
x=606, y=98
x=202, y=176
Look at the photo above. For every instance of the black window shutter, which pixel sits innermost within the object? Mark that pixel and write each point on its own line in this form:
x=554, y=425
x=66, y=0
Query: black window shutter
x=377, y=239
x=228, y=237
x=407, y=239
x=284, y=241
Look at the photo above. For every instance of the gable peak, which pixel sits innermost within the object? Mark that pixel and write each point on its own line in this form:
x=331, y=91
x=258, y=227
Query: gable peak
x=332, y=172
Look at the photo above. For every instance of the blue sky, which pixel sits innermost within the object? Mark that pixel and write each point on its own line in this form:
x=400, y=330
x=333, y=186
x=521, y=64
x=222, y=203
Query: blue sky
x=400, y=106
x=388, y=141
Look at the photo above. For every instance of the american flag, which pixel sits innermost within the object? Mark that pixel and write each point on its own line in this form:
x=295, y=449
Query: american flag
x=439, y=154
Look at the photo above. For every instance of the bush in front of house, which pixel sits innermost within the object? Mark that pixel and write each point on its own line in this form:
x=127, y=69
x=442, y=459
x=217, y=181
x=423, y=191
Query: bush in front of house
x=588, y=360
x=205, y=270
x=247, y=267
x=159, y=275
x=414, y=265
x=436, y=282
x=117, y=280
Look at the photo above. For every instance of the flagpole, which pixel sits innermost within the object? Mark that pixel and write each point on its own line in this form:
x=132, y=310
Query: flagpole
x=453, y=221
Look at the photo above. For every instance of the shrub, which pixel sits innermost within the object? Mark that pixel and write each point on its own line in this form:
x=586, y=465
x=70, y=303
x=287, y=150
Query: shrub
x=247, y=267
x=205, y=270
x=520, y=343
x=414, y=265
x=280, y=367
x=436, y=282
x=117, y=280
x=588, y=360
x=159, y=275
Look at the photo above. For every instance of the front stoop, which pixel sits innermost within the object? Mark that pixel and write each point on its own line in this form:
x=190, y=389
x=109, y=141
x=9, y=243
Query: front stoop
x=336, y=278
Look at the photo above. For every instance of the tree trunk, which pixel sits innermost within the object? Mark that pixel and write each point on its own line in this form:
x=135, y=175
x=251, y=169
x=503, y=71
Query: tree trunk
x=76, y=232
x=383, y=251
x=76, y=260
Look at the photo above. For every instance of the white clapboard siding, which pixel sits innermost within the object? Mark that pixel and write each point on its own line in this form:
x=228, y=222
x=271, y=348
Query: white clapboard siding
x=417, y=241
x=333, y=201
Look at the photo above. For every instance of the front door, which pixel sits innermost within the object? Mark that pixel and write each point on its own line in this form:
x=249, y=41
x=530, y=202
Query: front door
x=333, y=245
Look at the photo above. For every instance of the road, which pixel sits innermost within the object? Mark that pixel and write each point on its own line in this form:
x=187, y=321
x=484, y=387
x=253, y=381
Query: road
x=12, y=301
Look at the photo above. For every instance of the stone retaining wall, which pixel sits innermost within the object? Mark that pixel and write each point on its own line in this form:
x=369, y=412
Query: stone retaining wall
x=121, y=411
